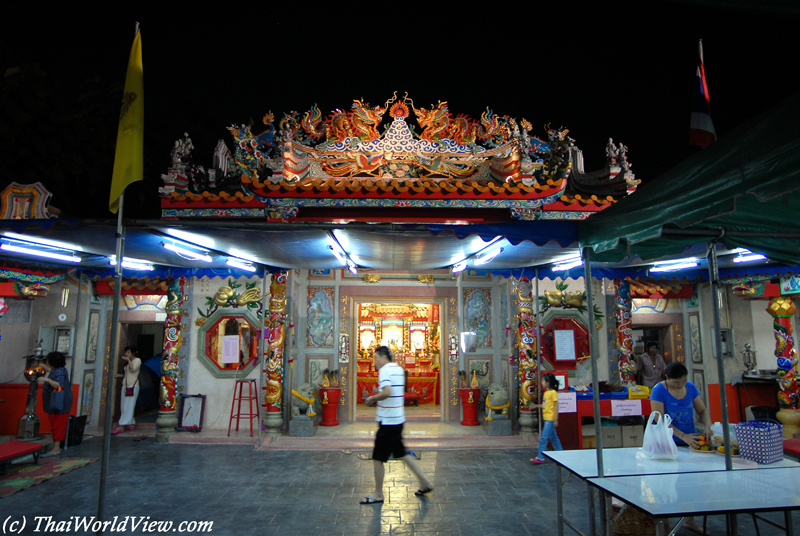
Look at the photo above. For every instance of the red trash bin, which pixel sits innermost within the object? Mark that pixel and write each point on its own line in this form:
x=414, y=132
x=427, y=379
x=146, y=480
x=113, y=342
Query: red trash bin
x=330, y=405
x=469, y=401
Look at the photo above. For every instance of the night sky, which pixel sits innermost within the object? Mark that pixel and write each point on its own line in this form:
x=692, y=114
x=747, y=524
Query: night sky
x=624, y=70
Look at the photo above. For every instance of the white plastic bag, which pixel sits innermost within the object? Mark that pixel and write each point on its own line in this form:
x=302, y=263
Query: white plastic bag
x=658, y=443
x=717, y=431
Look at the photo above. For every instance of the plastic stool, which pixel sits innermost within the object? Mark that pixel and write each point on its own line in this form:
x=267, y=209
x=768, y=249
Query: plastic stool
x=252, y=396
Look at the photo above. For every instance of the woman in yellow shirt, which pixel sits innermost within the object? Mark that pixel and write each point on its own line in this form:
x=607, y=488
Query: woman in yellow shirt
x=549, y=416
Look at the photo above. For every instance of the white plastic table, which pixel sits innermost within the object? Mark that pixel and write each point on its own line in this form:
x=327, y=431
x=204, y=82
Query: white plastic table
x=628, y=466
x=709, y=493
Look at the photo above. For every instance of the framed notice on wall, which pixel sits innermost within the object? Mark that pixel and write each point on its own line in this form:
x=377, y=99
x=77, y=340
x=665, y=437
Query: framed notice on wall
x=564, y=343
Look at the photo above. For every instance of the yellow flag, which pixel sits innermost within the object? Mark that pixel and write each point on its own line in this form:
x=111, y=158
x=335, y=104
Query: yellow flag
x=130, y=136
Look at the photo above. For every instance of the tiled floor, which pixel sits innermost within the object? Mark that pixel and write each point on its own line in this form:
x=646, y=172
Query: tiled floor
x=245, y=491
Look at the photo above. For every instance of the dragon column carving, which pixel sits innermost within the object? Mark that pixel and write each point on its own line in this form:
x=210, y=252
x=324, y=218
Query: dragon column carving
x=527, y=329
x=782, y=309
x=273, y=360
x=167, y=416
x=622, y=302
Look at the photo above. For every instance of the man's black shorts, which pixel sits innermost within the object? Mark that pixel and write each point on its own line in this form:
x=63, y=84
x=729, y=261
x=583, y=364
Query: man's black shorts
x=389, y=441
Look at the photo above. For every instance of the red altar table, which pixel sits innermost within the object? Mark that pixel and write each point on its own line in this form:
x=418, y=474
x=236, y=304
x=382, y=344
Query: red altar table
x=569, y=424
x=425, y=384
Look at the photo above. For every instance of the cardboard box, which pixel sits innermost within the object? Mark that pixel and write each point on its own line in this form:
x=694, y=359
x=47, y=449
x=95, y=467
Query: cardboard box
x=632, y=436
x=589, y=442
x=612, y=436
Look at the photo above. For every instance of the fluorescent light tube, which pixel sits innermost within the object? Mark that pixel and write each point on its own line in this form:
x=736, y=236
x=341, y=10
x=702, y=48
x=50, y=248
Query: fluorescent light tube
x=242, y=265
x=488, y=257
x=131, y=263
x=673, y=267
x=460, y=266
x=187, y=253
x=35, y=240
x=40, y=253
x=339, y=254
x=567, y=265
x=191, y=238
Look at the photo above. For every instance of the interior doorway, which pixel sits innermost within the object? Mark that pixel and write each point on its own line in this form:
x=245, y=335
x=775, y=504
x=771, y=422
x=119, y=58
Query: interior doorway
x=659, y=334
x=148, y=338
x=412, y=330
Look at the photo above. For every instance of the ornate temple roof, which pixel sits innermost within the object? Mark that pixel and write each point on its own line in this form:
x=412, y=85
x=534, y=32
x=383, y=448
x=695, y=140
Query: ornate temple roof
x=311, y=168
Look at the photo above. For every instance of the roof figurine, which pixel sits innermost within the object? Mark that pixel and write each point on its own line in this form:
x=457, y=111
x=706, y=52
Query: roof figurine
x=424, y=158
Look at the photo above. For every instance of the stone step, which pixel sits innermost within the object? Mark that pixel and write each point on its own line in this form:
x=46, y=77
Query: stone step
x=421, y=443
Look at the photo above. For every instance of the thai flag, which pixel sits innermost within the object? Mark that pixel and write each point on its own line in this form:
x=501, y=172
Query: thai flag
x=701, y=129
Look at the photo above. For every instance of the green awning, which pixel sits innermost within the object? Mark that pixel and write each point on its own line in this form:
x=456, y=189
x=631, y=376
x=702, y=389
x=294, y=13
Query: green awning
x=745, y=187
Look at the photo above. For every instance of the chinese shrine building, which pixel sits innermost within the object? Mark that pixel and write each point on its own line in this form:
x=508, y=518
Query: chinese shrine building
x=302, y=243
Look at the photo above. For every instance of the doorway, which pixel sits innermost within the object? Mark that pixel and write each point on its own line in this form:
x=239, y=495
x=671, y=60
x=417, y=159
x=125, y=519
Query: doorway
x=412, y=330
x=148, y=338
x=662, y=335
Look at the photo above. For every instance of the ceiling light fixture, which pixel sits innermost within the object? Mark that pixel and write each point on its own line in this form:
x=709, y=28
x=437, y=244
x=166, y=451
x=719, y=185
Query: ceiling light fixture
x=192, y=238
x=37, y=241
x=183, y=251
x=241, y=254
x=675, y=265
x=340, y=252
x=460, y=266
x=132, y=264
x=241, y=264
x=488, y=256
x=485, y=255
x=47, y=254
x=748, y=256
x=568, y=263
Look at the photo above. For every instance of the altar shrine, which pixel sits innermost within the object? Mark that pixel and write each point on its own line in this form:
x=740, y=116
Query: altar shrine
x=411, y=331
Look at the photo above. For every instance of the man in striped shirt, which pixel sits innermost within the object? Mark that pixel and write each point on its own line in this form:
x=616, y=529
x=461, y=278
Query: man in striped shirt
x=390, y=416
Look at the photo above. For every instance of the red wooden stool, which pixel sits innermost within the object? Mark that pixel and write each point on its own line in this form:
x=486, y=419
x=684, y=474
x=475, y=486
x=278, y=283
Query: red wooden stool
x=252, y=396
x=411, y=398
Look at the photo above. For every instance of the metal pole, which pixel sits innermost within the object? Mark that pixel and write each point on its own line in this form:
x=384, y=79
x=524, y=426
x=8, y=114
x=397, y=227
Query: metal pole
x=713, y=275
x=112, y=362
x=72, y=347
x=593, y=351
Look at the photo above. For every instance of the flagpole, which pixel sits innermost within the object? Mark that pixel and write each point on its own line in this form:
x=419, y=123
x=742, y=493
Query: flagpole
x=128, y=159
x=112, y=361
x=700, y=49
